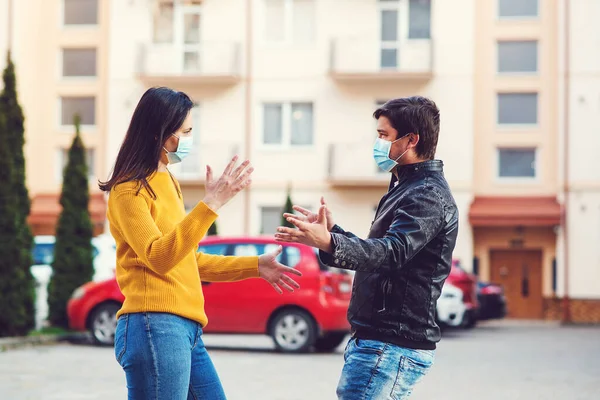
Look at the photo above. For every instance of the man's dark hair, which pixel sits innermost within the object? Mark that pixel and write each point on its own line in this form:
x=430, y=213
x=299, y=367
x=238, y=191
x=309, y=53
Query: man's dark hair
x=417, y=115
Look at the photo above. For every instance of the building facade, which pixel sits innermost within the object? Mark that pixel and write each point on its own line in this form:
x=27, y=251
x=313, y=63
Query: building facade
x=60, y=51
x=292, y=85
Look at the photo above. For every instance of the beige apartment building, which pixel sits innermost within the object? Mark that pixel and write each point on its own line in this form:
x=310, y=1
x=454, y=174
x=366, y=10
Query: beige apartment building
x=292, y=85
x=60, y=48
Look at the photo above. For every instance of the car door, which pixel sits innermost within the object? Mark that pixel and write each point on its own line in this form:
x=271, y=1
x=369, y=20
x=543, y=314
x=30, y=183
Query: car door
x=245, y=306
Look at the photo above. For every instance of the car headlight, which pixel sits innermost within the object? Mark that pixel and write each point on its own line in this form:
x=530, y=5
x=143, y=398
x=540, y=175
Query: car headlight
x=78, y=293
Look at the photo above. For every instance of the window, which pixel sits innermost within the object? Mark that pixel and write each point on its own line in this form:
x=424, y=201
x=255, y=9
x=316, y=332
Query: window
x=63, y=158
x=288, y=21
x=517, y=8
x=288, y=124
x=389, y=38
x=215, y=249
x=80, y=12
x=419, y=19
x=163, y=27
x=517, y=108
x=270, y=219
x=516, y=56
x=78, y=62
x=517, y=163
x=290, y=256
x=402, y=20
x=84, y=106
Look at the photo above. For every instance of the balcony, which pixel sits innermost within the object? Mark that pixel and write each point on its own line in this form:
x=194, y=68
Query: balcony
x=351, y=165
x=359, y=60
x=204, y=64
x=191, y=172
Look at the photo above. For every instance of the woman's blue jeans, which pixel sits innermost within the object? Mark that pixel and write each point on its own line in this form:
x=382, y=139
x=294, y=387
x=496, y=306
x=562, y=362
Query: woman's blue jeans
x=163, y=357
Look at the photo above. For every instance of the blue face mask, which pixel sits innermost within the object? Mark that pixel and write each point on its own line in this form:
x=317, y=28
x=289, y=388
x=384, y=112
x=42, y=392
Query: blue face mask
x=381, y=154
x=184, y=146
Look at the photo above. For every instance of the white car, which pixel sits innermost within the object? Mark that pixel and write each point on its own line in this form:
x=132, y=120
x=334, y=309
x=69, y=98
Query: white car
x=450, y=307
x=104, y=254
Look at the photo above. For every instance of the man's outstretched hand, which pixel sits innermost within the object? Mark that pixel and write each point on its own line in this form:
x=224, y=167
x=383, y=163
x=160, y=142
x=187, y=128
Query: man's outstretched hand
x=314, y=234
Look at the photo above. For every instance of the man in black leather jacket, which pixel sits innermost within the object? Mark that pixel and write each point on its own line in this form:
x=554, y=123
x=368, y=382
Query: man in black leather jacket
x=402, y=265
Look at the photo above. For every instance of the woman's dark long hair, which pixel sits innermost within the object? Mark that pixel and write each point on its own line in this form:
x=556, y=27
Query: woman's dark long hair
x=160, y=113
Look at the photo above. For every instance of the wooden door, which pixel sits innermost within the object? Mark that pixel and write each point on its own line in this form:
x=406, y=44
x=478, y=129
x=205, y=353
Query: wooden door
x=520, y=273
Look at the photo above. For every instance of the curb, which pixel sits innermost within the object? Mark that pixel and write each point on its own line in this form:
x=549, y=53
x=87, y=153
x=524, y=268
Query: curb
x=15, y=343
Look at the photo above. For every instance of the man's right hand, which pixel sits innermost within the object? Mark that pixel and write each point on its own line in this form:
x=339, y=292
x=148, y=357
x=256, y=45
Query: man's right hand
x=310, y=217
x=220, y=191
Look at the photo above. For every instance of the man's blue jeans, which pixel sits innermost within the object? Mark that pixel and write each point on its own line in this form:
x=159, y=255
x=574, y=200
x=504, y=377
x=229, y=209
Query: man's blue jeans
x=163, y=357
x=377, y=370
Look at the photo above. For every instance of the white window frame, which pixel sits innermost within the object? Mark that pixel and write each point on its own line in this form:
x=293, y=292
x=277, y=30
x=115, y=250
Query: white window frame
x=71, y=128
x=536, y=17
x=516, y=127
x=288, y=27
x=61, y=18
x=80, y=78
x=179, y=13
x=286, y=129
x=531, y=73
x=512, y=180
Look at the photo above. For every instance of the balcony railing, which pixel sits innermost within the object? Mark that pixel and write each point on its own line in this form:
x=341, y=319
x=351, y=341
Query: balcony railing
x=204, y=62
x=352, y=165
x=353, y=59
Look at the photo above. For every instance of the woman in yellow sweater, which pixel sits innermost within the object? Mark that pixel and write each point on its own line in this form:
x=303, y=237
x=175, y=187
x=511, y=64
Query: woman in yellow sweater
x=158, y=339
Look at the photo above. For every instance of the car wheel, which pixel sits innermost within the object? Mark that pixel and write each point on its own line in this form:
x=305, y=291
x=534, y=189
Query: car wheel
x=293, y=331
x=103, y=324
x=330, y=341
x=469, y=321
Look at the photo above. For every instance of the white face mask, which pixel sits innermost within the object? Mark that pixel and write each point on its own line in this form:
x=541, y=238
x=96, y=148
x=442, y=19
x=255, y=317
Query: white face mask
x=381, y=153
x=184, y=146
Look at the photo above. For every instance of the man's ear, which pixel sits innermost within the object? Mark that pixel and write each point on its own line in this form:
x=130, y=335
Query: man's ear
x=413, y=140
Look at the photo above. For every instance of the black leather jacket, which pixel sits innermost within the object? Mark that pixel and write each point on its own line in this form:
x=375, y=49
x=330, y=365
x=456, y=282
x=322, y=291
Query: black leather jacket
x=401, y=267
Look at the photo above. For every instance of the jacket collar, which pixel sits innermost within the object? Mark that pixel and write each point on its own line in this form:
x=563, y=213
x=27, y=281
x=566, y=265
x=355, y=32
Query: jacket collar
x=404, y=171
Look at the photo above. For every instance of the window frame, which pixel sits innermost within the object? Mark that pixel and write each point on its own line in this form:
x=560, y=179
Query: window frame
x=78, y=26
x=518, y=73
x=61, y=59
x=61, y=162
x=516, y=126
x=537, y=16
x=70, y=128
x=518, y=179
x=286, y=127
x=288, y=27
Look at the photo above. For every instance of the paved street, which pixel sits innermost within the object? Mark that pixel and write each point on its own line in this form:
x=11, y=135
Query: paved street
x=507, y=361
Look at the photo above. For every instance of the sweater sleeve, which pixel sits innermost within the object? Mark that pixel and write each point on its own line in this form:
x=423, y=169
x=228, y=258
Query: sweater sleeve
x=160, y=252
x=215, y=268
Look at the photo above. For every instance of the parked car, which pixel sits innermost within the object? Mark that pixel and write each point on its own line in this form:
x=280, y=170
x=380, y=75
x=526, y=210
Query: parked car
x=492, y=302
x=450, y=307
x=312, y=316
x=467, y=283
x=103, y=251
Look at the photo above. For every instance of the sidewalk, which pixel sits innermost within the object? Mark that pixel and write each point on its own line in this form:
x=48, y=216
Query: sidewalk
x=13, y=343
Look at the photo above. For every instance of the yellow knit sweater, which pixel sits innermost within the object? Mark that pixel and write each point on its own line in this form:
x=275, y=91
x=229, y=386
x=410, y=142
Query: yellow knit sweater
x=158, y=268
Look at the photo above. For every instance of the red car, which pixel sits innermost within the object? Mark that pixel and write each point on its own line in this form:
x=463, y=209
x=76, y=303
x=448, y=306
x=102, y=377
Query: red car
x=467, y=283
x=312, y=316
